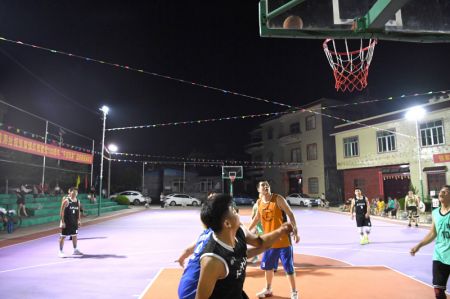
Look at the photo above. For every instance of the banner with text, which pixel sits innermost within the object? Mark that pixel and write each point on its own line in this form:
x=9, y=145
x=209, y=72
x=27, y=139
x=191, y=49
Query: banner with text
x=31, y=146
x=441, y=158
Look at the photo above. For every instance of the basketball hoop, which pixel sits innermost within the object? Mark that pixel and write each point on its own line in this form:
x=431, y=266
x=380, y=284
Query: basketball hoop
x=350, y=68
x=232, y=178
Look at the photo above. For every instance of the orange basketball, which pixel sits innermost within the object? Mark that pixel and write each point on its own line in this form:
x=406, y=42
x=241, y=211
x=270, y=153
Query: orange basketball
x=293, y=22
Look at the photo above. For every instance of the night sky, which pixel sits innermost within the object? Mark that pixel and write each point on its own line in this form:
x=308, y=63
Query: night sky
x=215, y=43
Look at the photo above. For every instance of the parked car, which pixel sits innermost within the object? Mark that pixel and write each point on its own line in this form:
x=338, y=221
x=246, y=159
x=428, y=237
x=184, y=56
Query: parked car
x=243, y=200
x=179, y=199
x=134, y=197
x=302, y=200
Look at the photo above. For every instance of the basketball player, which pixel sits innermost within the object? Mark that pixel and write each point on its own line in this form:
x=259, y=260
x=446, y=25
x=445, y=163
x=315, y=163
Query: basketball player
x=70, y=220
x=412, y=202
x=440, y=230
x=223, y=257
x=272, y=211
x=362, y=211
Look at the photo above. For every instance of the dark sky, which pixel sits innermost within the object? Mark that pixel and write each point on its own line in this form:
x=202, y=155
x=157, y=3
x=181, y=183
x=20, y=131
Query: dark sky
x=215, y=43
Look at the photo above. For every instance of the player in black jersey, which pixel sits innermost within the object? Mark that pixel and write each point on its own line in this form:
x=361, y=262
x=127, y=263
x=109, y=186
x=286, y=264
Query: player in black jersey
x=70, y=220
x=362, y=211
x=223, y=261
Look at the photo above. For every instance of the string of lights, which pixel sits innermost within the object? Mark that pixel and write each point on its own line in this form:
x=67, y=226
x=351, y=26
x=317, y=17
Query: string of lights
x=193, y=164
x=129, y=68
x=208, y=160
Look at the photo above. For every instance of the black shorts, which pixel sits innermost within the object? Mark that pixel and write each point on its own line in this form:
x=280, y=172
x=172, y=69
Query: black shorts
x=441, y=272
x=362, y=221
x=412, y=211
x=69, y=230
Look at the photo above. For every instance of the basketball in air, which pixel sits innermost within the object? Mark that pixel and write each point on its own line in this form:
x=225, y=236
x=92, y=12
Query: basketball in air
x=293, y=22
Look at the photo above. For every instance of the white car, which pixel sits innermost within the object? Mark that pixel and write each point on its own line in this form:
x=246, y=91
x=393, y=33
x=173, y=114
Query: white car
x=302, y=200
x=177, y=199
x=135, y=197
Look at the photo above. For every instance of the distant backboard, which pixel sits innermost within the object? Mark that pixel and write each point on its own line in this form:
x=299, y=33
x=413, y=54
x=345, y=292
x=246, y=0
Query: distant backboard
x=400, y=20
x=232, y=172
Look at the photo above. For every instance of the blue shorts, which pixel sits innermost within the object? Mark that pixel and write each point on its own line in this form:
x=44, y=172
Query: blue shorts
x=270, y=259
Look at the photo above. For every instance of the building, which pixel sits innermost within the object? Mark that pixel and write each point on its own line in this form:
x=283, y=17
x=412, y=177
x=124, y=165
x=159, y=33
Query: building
x=380, y=154
x=301, y=142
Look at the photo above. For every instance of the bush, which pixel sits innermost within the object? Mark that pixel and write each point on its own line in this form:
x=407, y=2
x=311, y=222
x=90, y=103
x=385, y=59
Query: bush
x=122, y=200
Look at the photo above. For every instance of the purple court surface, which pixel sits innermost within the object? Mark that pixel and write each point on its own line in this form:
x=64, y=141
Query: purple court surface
x=122, y=256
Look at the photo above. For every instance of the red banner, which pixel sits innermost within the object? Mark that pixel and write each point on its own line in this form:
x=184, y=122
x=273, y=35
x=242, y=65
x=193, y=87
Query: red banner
x=441, y=158
x=31, y=146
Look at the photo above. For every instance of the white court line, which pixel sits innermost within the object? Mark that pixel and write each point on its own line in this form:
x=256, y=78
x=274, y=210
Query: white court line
x=413, y=278
x=36, y=266
x=363, y=250
x=151, y=283
x=80, y=259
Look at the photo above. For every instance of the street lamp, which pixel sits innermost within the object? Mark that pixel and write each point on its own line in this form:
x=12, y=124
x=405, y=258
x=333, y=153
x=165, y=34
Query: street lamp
x=415, y=114
x=112, y=148
x=105, y=111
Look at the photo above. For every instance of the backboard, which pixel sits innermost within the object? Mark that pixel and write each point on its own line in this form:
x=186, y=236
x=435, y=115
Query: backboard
x=400, y=20
x=232, y=172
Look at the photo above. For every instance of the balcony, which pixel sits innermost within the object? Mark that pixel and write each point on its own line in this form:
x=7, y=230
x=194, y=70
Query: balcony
x=289, y=138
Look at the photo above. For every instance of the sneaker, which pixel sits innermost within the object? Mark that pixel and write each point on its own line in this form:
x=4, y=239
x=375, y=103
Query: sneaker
x=61, y=254
x=265, y=293
x=77, y=252
x=294, y=295
x=417, y=225
x=409, y=225
x=366, y=238
x=362, y=241
x=254, y=259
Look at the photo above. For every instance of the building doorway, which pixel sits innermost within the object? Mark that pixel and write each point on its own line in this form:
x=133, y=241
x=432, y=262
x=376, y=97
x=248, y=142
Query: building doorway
x=396, y=186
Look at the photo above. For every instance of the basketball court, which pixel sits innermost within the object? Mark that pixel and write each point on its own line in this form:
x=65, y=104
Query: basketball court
x=133, y=257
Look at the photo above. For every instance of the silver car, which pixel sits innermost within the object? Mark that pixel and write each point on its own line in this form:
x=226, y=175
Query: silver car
x=179, y=199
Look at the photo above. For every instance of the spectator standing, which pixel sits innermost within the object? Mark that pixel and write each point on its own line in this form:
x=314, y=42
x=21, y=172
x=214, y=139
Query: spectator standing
x=390, y=206
x=57, y=189
x=161, y=200
x=21, y=208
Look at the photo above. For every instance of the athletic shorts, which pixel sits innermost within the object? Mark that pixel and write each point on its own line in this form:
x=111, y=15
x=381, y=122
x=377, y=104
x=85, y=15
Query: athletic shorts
x=362, y=221
x=412, y=211
x=69, y=230
x=271, y=256
x=441, y=273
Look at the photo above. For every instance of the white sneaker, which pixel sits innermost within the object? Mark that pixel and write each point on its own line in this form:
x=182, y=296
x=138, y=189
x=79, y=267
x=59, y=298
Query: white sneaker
x=61, y=254
x=77, y=252
x=294, y=295
x=265, y=293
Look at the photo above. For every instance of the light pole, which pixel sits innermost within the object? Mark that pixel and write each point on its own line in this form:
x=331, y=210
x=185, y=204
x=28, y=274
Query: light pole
x=112, y=148
x=105, y=111
x=415, y=114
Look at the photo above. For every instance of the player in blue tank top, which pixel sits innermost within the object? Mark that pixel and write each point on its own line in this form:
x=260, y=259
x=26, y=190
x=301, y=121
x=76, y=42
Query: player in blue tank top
x=188, y=283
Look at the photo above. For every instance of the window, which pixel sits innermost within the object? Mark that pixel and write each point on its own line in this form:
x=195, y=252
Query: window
x=386, y=141
x=294, y=128
x=269, y=133
x=311, y=151
x=310, y=122
x=432, y=133
x=296, y=155
x=313, y=185
x=351, y=146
